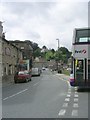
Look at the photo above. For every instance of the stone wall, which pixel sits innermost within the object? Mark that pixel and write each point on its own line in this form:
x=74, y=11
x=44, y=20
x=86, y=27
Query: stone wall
x=10, y=57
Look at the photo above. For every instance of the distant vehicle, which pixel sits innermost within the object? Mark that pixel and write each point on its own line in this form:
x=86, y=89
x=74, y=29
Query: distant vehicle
x=68, y=69
x=80, y=68
x=43, y=68
x=22, y=76
x=59, y=71
x=36, y=72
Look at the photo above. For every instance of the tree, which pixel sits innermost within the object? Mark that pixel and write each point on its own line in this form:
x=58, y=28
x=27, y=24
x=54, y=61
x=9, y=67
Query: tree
x=49, y=55
x=44, y=47
x=53, y=51
x=65, y=54
x=58, y=55
x=37, y=52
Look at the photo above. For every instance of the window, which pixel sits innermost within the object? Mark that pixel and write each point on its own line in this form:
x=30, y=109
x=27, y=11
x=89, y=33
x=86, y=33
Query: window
x=22, y=48
x=7, y=51
x=88, y=69
x=5, y=69
x=79, y=66
x=84, y=39
x=83, y=36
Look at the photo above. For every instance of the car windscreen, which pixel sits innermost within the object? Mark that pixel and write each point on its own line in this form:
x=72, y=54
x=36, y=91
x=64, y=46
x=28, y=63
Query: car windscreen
x=23, y=72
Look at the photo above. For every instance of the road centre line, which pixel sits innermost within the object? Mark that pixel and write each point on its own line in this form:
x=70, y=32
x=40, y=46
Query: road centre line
x=36, y=84
x=15, y=94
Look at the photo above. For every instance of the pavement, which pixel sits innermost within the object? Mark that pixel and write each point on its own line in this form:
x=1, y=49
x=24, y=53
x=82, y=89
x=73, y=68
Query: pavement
x=7, y=80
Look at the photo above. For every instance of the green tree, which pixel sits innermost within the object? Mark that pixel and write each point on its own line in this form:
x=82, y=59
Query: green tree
x=49, y=55
x=37, y=52
x=58, y=55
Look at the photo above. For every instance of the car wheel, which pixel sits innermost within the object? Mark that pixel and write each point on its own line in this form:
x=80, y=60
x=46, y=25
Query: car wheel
x=27, y=80
x=15, y=81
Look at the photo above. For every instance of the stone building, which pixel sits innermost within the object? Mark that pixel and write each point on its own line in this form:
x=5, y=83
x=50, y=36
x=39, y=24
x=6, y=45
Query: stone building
x=25, y=46
x=10, y=57
x=40, y=62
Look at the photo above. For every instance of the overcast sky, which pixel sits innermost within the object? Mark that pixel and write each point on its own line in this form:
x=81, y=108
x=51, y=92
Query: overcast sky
x=43, y=22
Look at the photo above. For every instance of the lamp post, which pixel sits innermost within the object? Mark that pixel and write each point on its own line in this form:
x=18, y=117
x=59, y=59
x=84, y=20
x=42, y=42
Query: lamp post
x=58, y=43
x=58, y=49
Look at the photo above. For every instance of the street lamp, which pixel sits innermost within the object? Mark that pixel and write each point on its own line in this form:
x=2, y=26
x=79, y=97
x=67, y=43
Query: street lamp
x=58, y=50
x=58, y=43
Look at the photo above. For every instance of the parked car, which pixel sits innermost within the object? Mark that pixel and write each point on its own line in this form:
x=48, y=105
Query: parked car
x=69, y=69
x=22, y=76
x=36, y=72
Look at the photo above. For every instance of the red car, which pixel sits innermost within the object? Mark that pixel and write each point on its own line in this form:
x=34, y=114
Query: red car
x=22, y=76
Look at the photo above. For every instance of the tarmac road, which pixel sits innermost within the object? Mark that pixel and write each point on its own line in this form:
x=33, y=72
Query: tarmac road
x=47, y=96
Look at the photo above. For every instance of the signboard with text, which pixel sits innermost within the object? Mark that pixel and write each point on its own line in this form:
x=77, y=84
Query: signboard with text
x=81, y=51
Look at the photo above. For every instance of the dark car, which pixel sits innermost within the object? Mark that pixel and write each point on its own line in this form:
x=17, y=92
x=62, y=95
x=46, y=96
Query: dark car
x=22, y=76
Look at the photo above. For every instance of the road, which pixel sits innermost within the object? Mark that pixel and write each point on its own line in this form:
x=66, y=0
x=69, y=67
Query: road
x=47, y=96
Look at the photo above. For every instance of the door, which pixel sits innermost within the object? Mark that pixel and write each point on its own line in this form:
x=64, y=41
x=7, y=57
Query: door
x=89, y=71
x=80, y=72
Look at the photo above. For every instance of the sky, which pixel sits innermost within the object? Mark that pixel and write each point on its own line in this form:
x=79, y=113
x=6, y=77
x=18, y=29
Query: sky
x=43, y=22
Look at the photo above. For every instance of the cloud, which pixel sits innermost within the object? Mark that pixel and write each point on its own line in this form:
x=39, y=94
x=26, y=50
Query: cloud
x=44, y=22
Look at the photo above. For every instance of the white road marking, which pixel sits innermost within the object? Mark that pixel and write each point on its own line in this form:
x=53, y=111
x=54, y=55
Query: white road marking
x=75, y=99
x=62, y=112
x=69, y=84
x=75, y=105
x=35, y=84
x=68, y=95
x=67, y=99
x=63, y=79
x=65, y=105
x=75, y=113
x=76, y=88
x=76, y=92
x=69, y=92
x=76, y=95
x=15, y=94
